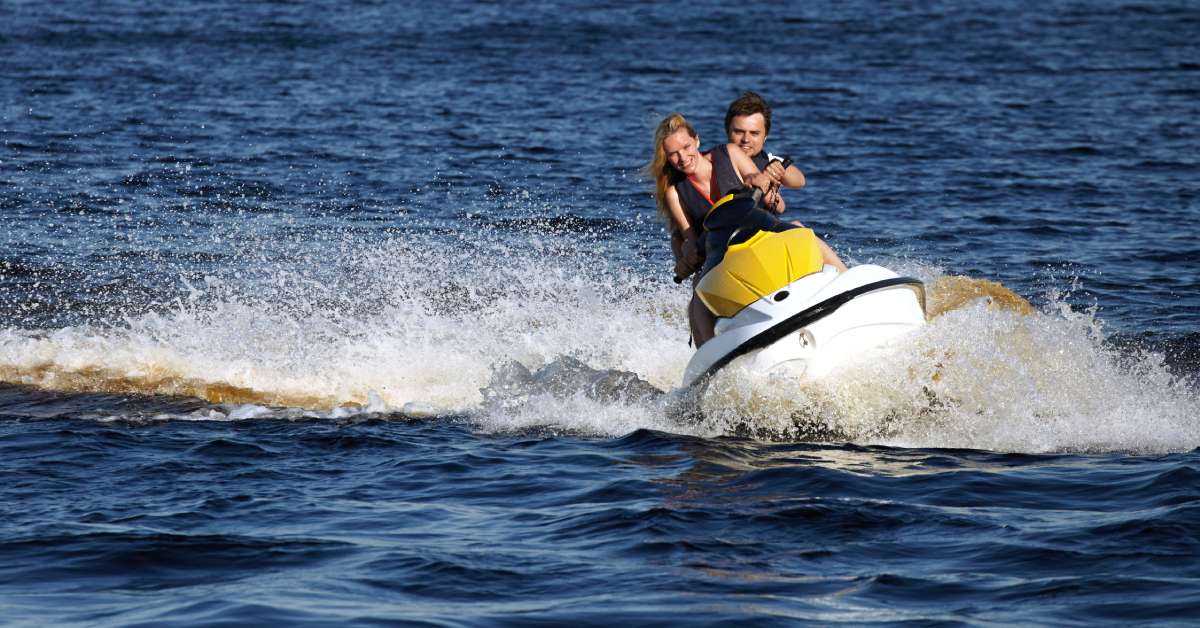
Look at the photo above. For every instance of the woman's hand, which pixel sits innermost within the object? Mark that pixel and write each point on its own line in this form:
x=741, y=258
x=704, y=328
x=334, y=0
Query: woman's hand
x=761, y=180
x=775, y=170
x=689, y=259
x=691, y=251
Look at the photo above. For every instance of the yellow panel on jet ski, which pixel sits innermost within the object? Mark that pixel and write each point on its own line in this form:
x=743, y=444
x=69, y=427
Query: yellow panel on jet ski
x=757, y=267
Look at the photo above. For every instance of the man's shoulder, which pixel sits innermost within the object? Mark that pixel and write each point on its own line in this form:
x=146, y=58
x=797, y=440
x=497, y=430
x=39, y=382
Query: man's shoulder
x=762, y=158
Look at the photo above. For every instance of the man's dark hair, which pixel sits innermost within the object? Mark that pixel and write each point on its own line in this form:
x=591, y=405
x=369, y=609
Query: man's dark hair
x=748, y=104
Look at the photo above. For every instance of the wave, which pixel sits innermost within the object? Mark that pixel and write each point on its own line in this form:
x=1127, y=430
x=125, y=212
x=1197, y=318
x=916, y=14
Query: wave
x=547, y=332
x=411, y=325
x=986, y=375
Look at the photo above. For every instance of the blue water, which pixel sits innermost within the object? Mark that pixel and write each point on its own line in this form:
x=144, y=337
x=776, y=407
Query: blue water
x=324, y=313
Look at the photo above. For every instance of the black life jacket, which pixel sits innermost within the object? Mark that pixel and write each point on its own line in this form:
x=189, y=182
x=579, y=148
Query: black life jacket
x=727, y=176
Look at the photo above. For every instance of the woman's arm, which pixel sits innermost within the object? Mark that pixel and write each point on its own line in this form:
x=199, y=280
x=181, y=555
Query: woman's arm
x=684, y=242
x=746, y=170
x=675, y=208
x=750, y=175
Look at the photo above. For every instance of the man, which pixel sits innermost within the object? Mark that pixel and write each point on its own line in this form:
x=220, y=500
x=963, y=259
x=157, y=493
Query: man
x=747, y=124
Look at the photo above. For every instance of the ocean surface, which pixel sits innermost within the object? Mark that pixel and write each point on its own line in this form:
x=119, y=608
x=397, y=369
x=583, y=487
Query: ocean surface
x=329, y=313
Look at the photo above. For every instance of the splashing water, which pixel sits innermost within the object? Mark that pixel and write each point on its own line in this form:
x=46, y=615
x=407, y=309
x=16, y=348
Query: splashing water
x=415, y=326
x=980, y=377
x=426, y=329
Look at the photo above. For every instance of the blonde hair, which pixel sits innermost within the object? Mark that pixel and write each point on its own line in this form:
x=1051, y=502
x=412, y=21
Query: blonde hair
x=659, y=169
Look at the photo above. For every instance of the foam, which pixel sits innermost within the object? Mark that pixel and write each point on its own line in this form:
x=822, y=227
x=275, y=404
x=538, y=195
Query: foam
x=418, y=327
x=421, y=327
x=985, y=378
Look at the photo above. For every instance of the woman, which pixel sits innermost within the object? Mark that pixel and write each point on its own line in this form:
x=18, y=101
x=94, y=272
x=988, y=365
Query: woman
x=684, y=190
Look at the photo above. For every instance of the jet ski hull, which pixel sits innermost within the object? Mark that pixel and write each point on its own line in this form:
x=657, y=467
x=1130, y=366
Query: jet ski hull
x=814, y=324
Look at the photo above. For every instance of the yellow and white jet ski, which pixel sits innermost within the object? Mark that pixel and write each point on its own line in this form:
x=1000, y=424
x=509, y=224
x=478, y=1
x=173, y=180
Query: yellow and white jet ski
x=780, y=309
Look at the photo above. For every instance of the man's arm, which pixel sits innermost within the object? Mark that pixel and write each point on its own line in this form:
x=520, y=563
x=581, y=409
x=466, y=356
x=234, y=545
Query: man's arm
x=790, y=178
x=829, y=257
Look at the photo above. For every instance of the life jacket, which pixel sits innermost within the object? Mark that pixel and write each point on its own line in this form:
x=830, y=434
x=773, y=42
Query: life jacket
x=695, y=203
x=727, y=176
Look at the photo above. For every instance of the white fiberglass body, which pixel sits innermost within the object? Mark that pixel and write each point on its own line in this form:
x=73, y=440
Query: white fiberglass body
x=814, y=324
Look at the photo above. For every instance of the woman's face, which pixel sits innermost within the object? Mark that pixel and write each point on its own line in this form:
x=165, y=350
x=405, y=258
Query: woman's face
x=683, y=151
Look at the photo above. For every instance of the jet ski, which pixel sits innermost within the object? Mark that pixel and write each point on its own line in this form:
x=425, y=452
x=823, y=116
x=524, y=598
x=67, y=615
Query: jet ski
x=780, y=309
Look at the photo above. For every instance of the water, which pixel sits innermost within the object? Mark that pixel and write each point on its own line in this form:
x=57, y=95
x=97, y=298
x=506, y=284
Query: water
x=315, y=314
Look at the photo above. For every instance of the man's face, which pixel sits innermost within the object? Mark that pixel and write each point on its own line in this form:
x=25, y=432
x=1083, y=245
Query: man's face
x=683, y=151
x=748, y=132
